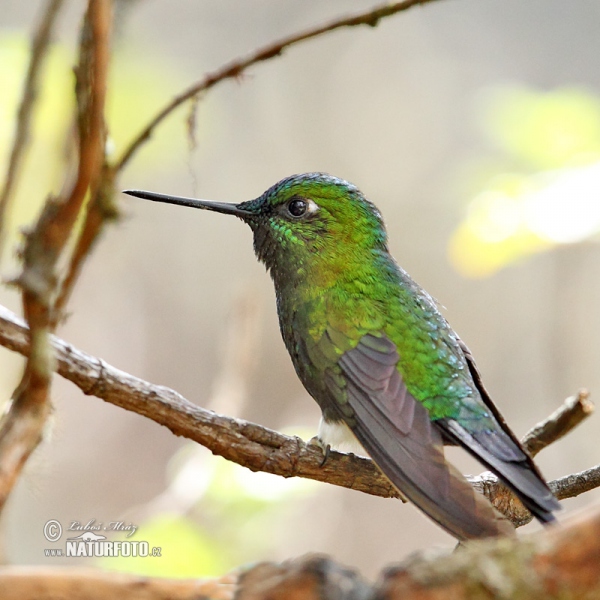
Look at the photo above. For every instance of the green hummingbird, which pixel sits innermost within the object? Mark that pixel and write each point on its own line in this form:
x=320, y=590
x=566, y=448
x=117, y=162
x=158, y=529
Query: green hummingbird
x=372, y=348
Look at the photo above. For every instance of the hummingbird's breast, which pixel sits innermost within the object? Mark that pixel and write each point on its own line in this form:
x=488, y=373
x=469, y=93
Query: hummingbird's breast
x=319, y=324
x=297, y=326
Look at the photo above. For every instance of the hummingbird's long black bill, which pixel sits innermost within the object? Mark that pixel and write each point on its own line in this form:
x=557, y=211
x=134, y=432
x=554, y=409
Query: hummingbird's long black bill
x=220, y=207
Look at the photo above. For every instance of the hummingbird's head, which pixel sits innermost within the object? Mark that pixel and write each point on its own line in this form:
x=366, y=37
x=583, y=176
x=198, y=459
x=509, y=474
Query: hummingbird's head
x=312, y=216
x=303, y=221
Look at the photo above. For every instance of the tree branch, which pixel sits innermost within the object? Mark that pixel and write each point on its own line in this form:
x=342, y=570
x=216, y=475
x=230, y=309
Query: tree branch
x=573, y=410
x=39, y=49
x=236, y=67
x=45, y=583
x=249, y=444
x=22, y=425
x=100, y=211
x=555, y=564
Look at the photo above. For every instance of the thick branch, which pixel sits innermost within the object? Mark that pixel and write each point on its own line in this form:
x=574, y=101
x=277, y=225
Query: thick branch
x=44, y=583
x=555, y=564
x=236, y=67
x=94, y=176
x=248, y=444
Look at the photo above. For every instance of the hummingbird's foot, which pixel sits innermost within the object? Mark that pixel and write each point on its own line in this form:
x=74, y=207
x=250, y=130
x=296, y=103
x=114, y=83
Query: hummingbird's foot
x=325, y=456
x=326, y=448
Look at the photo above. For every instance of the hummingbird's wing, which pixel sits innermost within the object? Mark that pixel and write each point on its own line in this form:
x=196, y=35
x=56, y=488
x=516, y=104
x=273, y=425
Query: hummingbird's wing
x=396, y=431
x=500, y=450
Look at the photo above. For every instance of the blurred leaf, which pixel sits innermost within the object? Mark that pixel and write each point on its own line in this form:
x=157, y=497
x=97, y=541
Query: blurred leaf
x=493, y=233
x=247, y=512
x=555, y=138
x=185, y=551
x=251, y=492
x=543, y=130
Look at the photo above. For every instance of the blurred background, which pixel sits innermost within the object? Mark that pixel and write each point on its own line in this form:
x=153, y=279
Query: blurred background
x=474, y=126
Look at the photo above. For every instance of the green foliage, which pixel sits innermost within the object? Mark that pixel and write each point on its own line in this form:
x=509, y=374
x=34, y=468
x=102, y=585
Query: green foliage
x=543, y=130
x=185, y=551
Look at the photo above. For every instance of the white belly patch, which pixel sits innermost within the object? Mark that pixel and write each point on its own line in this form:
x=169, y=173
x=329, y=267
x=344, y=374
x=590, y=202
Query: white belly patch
x=339, y=437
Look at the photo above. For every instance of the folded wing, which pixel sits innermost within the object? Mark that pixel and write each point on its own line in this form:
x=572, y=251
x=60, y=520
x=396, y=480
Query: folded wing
x=396, y=431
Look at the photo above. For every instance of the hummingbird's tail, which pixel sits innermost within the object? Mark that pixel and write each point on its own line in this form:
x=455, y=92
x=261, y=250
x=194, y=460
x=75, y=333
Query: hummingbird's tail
x=415, y=464
x=501, y=451
x=396, y=431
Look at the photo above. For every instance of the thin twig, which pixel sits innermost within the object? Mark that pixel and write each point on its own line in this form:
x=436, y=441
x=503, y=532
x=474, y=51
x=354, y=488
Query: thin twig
x=236, y=67
x=101, y=210
x=248, y=444
x=571, y=486
x=39, y=50
x=563, y=420
x=572, y=411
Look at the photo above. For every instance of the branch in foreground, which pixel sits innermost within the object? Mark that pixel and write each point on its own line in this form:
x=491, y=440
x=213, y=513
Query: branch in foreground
x=39, y=48
x=558, y=563
x=22, y=424
x=44, y=583
x=248, y=444
x=236, y=67
x=555, y=564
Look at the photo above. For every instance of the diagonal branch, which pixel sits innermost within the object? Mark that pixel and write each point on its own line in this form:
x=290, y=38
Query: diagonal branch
x=236, y=67
x=39, y=48
x=573, y=410
x=249, y=444
x=101, y=210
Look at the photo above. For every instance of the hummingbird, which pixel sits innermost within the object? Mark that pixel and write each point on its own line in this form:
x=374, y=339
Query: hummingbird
x=373, y=349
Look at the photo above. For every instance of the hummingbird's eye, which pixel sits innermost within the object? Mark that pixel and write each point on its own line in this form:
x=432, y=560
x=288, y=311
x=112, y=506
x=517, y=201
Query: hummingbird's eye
x=299, y=207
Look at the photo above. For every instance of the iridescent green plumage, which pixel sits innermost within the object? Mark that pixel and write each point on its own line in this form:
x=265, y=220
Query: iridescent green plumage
x=338, y=274
x=372, y=348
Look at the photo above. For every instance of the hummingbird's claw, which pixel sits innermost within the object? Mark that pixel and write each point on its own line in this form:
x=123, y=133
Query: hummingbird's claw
x=316, y=441
x=326, y=451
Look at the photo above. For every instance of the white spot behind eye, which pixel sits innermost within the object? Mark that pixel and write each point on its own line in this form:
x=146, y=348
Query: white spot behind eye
x=312, y=208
